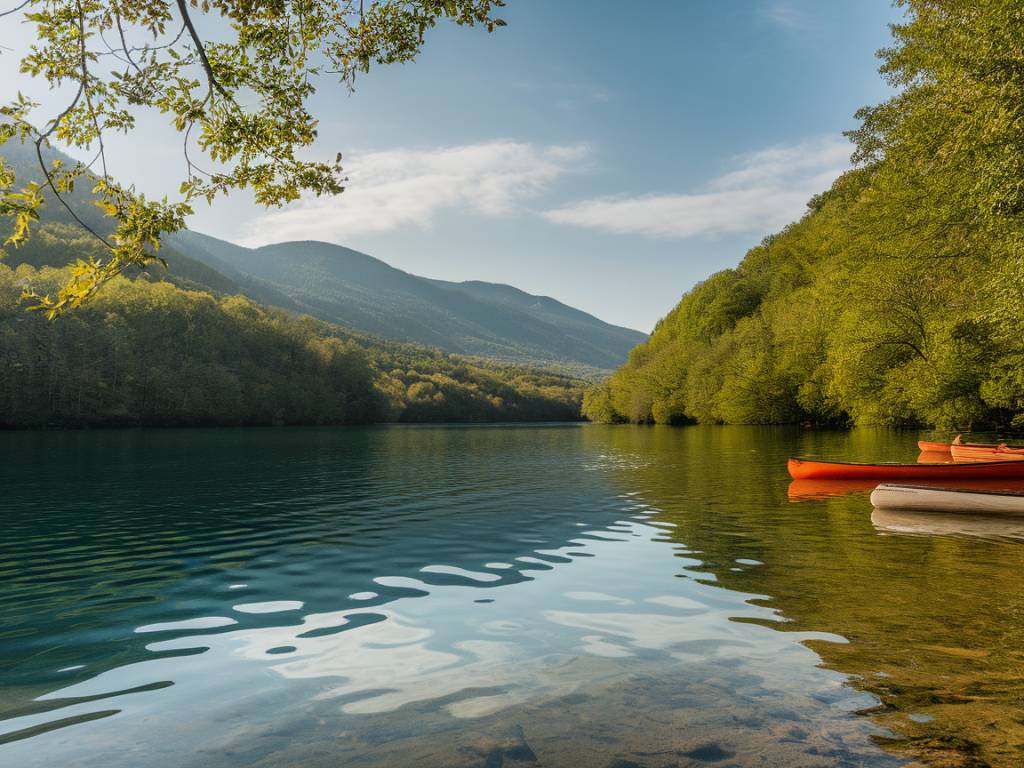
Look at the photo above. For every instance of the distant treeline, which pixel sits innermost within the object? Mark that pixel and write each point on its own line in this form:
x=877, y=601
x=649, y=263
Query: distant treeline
x=148, y=352
x=899, y=297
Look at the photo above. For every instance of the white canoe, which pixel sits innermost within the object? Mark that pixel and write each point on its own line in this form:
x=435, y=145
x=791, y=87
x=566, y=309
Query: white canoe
x=922, y=498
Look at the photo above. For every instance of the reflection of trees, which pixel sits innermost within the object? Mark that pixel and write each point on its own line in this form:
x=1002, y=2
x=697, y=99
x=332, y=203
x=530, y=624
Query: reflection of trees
x=934, y=623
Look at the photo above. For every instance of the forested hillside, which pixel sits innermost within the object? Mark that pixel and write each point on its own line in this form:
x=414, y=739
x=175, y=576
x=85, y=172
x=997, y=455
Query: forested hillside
x=898, y=298
x=148, y=352
x=353, y=289
x=350, y=288
x=183, y=346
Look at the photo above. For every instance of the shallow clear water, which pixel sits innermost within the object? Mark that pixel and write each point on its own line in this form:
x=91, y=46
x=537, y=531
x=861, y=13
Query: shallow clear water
x=487, y=596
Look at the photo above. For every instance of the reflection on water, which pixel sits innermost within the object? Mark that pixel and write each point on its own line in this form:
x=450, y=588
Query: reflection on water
x=934, y=622
x=563, y=596
x=818, y=489
x=946, y=524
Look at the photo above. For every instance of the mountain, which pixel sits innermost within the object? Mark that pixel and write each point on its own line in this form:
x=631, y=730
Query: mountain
x=183, y=347
x=149, y=352
x=350, y=288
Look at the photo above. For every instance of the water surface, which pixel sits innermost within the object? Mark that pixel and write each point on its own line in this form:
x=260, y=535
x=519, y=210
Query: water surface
x=487, y=596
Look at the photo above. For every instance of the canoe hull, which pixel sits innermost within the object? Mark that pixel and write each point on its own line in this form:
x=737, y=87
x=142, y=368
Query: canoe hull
x=986, y=453
x=926, y=446
x=916, y=498
x=806, y=469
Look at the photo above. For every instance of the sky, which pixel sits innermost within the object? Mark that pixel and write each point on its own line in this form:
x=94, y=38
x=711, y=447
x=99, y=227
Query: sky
x=607, y=154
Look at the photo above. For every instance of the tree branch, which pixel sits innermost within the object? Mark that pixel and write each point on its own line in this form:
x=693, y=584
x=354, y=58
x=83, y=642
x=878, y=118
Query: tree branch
x=15, y=9
x=49, y=131
x=200, y=49
x=124, y=44
x=50, y=184
x=84, y=63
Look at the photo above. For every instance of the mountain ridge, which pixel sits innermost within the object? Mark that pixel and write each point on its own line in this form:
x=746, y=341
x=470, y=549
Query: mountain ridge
x=475, y=317
x=347, y=287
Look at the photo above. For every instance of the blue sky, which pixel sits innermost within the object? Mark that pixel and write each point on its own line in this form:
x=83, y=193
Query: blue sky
x=608, y=154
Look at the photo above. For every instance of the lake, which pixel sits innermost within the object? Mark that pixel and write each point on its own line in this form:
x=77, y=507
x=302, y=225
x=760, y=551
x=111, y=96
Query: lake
x=556, y=595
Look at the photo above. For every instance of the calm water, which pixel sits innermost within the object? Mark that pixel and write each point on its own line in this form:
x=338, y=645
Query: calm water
x=513, y=596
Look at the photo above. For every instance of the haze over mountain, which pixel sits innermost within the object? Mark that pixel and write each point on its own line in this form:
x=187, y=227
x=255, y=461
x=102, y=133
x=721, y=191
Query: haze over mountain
x=344, y=286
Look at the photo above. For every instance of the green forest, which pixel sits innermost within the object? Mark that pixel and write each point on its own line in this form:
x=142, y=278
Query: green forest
x=146, y=351
x=180, y=346
x=897, y=299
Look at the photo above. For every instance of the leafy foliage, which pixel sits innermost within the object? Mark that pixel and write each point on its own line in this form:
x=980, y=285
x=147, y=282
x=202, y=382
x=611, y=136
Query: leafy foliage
x=897, y=298
x=240, y=100
x=148, y=352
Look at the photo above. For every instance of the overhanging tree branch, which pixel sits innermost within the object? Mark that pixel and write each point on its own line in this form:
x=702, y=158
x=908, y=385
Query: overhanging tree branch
x=200, y=49
x=15, y=9
x=255, y=146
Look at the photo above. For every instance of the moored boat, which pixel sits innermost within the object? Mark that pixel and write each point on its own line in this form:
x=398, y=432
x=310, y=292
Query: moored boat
x=970, y=452
x=800, y=469
x=924, y=498
x=961, y=451
x=935, y=457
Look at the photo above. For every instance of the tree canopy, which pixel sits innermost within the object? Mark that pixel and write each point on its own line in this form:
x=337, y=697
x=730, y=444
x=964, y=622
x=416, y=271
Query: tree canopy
x=234, y=79
x=146, y=351
x=897, y=298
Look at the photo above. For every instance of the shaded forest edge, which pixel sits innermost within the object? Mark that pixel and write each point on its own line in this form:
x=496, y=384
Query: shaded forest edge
x=147, y=352
x=897, y=299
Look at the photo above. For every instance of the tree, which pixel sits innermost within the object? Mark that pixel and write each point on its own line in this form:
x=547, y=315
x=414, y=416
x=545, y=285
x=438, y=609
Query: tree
x=240, y=100
x=897, y=298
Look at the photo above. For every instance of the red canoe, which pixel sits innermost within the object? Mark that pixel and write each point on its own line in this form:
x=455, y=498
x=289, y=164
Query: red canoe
x=801, y=469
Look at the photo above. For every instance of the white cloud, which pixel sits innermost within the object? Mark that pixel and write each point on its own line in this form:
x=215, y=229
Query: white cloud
x=763, y=192
x=785, y=15
x=409, y=187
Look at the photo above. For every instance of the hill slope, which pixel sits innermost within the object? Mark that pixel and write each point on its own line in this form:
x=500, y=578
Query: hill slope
x=344, y=286
x=182, y=347
x=897, y=299
x=148, y=352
